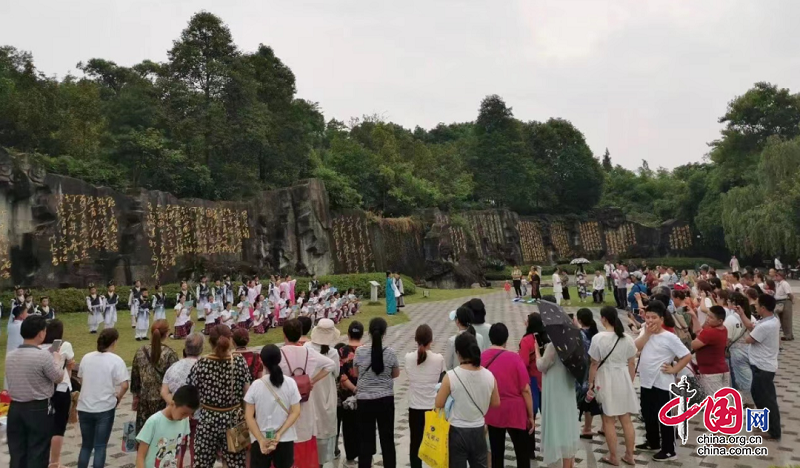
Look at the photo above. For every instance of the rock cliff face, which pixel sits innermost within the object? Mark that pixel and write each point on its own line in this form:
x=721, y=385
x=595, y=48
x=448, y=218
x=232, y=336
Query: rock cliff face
x=59, y=231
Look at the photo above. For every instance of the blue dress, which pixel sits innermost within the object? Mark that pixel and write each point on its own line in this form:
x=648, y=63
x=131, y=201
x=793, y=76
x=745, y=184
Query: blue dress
x=391, y=301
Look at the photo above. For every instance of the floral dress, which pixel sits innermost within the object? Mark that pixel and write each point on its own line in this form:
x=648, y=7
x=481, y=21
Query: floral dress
x=146, y=380
x=221, y=384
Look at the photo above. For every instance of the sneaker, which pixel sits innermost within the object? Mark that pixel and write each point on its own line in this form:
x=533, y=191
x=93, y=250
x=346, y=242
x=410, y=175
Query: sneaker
x=664, y=456
x=646, y=447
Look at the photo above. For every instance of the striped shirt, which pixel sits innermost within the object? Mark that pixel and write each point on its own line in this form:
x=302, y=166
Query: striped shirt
x=32, y=374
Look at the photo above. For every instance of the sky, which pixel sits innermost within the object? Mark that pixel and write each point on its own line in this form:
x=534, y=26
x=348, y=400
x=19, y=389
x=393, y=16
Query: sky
x=647, y=79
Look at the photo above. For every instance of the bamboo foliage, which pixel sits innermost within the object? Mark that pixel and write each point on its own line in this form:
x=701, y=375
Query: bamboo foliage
x=84, y=224
x=175, y=230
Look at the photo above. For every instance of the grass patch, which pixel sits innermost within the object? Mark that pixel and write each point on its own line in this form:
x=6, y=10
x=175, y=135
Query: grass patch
x=76, y=329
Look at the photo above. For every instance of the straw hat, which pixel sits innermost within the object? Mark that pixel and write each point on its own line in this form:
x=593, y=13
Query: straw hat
x=325, y=333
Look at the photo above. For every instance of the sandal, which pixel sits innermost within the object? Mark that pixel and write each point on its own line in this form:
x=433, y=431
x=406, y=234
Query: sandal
x=586, y=436
x=631, y=462
x=607, y=461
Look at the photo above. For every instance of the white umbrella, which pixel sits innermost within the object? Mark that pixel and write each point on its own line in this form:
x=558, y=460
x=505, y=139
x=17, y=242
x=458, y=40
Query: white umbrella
x=579, y=261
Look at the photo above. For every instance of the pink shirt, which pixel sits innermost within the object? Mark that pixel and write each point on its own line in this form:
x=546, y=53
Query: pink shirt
x=511, y=377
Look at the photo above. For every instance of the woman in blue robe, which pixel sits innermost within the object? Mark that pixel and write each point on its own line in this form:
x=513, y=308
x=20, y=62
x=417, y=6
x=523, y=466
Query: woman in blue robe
x=391, y=299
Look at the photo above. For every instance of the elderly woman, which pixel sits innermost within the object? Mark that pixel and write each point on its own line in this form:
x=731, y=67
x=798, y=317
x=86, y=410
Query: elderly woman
x=147, y=374
x=324, y=397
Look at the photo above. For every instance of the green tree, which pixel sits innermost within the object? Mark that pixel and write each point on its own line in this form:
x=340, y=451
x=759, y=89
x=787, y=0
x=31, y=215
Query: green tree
x=607, y=166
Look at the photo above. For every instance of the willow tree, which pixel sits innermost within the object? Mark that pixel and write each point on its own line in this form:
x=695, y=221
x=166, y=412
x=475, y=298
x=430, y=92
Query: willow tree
x=764, y=217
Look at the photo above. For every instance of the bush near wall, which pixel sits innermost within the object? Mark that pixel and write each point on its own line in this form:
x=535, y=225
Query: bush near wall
x=74, y=300
x=679, y=263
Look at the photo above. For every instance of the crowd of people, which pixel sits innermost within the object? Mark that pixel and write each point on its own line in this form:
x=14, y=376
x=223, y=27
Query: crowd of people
x=288, y=406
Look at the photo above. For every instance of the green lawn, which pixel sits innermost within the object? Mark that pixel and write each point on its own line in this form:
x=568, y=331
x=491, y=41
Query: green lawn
x=76, y=330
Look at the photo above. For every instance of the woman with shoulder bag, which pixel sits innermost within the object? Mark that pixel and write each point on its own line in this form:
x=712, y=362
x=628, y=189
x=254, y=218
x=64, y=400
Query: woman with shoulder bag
x=611, y=377
x=307, y=367
x=222, y=378
x=474, y=391
x=272, y=406
x=61, y=399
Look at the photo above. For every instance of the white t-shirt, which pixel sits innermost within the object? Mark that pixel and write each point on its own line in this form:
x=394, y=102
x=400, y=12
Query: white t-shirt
x=67, y=353
x=269, y=413
x=423, y=379
x=764, y=352
x=183, y=315
x=733, y=323
x=101, y=374
x=479, y=385
x=609, y=268
x=661, y=348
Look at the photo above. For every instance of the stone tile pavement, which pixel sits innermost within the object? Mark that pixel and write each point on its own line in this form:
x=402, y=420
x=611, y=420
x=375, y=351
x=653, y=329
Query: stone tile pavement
x=500, y=309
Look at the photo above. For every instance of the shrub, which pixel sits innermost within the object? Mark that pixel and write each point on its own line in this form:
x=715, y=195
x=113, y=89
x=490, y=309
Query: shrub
x=68, y=300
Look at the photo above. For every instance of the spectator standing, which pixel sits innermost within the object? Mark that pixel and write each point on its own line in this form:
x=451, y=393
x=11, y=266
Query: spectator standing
x=147, y=374
x=177, y=376
x=377, y=367
x=32, y=376
x=709, y=348
x=222, y=379
x=299, y=360
x=464, y=318
x=784, y=299
x=104, y=381
x=515, y=414
x=348, y=381
x=62, y=397
x=535, y=336
x=424, y=369
x=14, y=331
x=478, y=309
x=764, y=341
x=324, y=396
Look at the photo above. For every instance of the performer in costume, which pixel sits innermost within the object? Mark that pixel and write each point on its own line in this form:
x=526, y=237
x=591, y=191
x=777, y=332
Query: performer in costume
x=201, y=293
x=212, y=314
x=227, y=287
x=313, y=285
x=228, y=315
x=291, y=295
x=183, y=324
x=159, y=304
x=398, y=281
x=110, y=301
x=219, y=293
x=184, y=291
x=391, y=294
x=253, y=290
x=143, y=315
x=245, y=313
x=133, y=299
x=44, y=309
x=19, y=300
x=259, y=316
x=95, y=306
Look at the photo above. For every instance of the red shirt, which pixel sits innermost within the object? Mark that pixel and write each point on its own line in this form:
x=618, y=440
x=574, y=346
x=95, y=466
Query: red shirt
x=528, y=356
x=711, y=357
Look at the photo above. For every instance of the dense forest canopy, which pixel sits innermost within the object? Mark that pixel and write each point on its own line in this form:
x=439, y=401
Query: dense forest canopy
x=220, y=123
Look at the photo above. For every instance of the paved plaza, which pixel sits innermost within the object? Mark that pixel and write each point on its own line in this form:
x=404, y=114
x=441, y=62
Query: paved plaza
x=500, y=309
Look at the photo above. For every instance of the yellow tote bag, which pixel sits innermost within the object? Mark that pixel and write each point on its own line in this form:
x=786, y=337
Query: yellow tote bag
x=434, y=449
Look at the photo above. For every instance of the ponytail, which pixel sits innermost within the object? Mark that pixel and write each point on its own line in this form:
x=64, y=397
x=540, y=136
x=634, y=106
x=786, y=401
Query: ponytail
x=271, y=357
x=377, y=328
x=471, y=331
x=610, y=314
x=466, y=318
x=423, y=337
x=324, y=349
x=159, y=331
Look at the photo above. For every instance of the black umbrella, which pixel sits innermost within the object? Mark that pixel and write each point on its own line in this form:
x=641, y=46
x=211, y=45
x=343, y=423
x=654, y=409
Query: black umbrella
x=566, y=337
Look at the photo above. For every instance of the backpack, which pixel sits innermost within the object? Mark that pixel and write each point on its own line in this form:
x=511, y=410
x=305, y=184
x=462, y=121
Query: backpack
x=253, y=364
x=682, y=330
x=303, y=381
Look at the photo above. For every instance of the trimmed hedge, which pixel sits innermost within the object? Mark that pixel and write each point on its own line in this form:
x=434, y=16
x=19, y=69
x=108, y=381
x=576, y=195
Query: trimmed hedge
x=679, y=263
x=74, y=300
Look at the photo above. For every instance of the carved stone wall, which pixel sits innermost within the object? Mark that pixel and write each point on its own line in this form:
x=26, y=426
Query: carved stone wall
x=59, y=231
